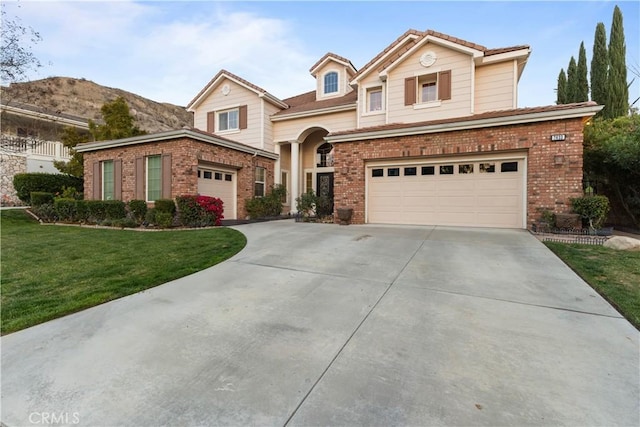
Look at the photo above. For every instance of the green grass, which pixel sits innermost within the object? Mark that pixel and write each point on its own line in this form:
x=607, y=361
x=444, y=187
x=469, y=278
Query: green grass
x=612, y=273
x=50, y=271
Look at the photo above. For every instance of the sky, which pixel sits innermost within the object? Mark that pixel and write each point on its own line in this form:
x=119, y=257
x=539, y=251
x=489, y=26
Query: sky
x=168, y=51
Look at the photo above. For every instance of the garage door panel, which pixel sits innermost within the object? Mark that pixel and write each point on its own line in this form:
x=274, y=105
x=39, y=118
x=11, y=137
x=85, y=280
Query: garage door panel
x=220, y=184
x=485, y=199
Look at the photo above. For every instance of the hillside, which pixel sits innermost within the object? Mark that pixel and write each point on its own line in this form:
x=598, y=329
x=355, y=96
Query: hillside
x=84, y=98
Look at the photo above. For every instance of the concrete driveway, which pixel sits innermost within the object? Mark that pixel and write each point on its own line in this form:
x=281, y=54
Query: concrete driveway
x=316, y=324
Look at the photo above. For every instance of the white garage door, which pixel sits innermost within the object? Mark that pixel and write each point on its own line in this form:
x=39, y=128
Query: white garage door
x=221, y=184
x=476, y=192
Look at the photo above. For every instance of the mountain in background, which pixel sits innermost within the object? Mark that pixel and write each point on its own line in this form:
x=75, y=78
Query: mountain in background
x=84, y=98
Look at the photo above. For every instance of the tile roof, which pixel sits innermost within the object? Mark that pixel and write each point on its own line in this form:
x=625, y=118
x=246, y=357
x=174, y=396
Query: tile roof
x=307, y=102
x=420, y=35
x=331, y=55
x=233, y=76
x=481, y=116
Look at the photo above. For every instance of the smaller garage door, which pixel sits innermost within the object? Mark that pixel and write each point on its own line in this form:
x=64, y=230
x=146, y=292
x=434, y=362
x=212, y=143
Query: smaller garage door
x=219, y=183
x=480, y=192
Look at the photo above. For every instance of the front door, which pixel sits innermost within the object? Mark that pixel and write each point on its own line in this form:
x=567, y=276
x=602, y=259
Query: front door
x=324, y=186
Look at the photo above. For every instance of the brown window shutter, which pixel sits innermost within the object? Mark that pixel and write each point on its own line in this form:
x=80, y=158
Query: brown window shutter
x=243, y=117
x=139, y=177
x=166, y=176
x=97, y=181
x=444, y=84
x=410, y=91
x=211, y=127
x=117, y=179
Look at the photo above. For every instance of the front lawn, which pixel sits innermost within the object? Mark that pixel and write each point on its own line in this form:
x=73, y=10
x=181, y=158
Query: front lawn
x=50, y=271
x=613, y=274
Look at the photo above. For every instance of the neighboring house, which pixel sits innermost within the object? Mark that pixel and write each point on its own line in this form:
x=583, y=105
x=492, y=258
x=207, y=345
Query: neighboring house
x=30, y=142
x=428, y=132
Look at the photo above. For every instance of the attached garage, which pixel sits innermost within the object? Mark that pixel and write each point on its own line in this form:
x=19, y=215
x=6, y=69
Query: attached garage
x=220, y=183
x=474, y=191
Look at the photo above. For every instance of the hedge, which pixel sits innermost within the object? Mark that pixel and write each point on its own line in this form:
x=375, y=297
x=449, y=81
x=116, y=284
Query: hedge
x=199, y=211
x=39, y=198
x=26, y=183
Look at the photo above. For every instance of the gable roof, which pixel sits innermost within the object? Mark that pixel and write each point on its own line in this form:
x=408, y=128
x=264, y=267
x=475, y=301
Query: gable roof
x=191, y=133
x=306, y=103
x=487, y=119
x=411, y=38
x=331, y=56
x=222, y=74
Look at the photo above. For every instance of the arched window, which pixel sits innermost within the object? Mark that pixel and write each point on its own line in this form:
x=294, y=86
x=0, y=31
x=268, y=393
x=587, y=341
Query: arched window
x=331, y=82
x=324, y=155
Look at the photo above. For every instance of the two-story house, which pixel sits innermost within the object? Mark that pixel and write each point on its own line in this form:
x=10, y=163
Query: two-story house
x=428, y=132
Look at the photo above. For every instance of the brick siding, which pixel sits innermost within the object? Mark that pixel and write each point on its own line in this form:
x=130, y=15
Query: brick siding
x=549, y=186
x=186, y=154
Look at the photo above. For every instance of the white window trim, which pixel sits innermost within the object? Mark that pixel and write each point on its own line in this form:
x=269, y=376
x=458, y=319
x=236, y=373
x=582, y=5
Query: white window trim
x=365, y=108
x=286, y=186
x=430, y=104
x=217, y=121
x=146, y=177
x=255, y=181
x=102, y=180
x=324, y=94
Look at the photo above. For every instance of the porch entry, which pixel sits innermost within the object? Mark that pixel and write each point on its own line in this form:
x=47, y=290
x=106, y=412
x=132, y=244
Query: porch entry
x=324, y=186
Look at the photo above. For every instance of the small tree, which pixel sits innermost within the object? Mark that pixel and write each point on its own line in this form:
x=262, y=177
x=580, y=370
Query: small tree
x=572, y=81
x=582, y=84
x=561, y=97
x=70, y=138
x=618, y=92
x=599, y=66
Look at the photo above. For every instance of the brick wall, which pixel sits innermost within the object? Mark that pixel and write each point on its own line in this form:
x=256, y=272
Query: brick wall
x=549, y=186
x=185, y=153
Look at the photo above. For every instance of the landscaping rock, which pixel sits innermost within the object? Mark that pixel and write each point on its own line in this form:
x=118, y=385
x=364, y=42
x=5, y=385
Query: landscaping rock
x=622, y=243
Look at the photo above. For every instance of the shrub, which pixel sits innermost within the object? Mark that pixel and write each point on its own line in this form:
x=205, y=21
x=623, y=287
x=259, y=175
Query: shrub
x=124, y=223
x=150, y=216
x=165, y=205
x=199, y=211
x=71, y=193
x=164, y=219
x=593, y=209
x=66, y=209
x=114, y=209
x=267, y=206
x=45, y=212
x=306, y=203
x=26, y=183
x=138, y=209
x=95, y=210
x=41, y=198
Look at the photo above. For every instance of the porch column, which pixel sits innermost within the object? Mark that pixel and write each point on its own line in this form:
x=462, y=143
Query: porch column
x=277, y=175
x=295, y=174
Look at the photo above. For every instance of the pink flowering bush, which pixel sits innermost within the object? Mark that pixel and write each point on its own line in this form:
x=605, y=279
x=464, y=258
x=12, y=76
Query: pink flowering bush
x=199, y=211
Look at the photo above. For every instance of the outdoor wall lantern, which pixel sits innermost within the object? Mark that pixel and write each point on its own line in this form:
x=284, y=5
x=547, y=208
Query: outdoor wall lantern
x=558, y=159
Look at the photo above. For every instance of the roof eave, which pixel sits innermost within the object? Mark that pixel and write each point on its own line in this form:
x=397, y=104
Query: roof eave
x=173, y=134
x=580, y=112
x=311, y=113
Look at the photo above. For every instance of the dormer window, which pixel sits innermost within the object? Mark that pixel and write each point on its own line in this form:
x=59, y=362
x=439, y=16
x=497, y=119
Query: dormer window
x=331, y=82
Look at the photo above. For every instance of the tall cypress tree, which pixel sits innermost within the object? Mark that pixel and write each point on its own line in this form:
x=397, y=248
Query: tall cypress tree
x=572, y=81
x=618, y=92
x=599, y=66
x=582, y=84
x=562, y=88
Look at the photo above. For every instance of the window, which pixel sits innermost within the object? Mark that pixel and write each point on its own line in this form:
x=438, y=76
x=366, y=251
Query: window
x=374, y=99
x=259, y=182
x=154, y=178
x=108, y=182
x=446, y=170
x=228, y=177
x=228, y=120
x=26, y=133
x=462, y=169
x=308, y=182
x=428, y=170
x=410, y=171
x=393, y=172
x=218, y=176
x=428, y=90
x=487, y=167
x=509, y=167
x=208, y=175
x=331, y=82
x=377, y=172
x=324, y=155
